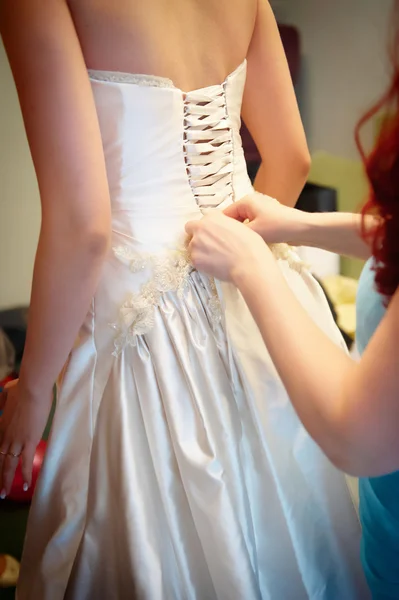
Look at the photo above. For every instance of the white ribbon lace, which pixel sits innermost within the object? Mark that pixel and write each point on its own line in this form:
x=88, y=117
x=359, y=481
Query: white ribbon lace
x=208, y=147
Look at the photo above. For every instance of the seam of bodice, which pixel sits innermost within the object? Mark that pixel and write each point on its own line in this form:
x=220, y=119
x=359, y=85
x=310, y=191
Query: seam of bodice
x=140, y=80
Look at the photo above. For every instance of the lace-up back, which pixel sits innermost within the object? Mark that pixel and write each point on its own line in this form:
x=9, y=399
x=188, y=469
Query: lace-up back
x=208, y=148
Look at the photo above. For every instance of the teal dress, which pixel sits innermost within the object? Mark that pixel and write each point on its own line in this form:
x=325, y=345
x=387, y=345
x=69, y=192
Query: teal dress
x=379, y=496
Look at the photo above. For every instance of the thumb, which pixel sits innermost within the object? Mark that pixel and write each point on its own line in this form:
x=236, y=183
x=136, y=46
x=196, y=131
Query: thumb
x=240, y=211
x=191, y=227
x=257, y=226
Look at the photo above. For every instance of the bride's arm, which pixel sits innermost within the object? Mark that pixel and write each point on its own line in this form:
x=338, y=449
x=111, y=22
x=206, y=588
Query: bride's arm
x=64, y=138
x=270, y=112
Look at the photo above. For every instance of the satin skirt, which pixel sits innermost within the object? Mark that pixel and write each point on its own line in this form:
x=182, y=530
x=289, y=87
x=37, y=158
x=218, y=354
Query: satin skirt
x=178, y=470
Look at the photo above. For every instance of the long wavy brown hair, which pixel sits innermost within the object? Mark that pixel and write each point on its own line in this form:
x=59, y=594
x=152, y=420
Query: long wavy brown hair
x=382, y=169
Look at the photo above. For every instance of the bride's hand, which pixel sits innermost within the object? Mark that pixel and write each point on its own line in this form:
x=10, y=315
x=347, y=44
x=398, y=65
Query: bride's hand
x=22, y=425
x=275, y=222
x=224, y=248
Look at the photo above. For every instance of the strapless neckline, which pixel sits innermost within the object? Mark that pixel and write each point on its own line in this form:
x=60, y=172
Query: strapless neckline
x=155, y=81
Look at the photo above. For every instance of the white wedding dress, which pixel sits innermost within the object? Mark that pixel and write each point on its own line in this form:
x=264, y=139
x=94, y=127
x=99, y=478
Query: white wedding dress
x=177, y=468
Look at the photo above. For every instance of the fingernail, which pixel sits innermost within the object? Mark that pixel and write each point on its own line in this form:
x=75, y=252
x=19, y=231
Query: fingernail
x=25, y=487
x=3, y=494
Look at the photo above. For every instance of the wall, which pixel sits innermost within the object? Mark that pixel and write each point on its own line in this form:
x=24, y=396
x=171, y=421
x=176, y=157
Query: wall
x=344, y=44
x=19, y=198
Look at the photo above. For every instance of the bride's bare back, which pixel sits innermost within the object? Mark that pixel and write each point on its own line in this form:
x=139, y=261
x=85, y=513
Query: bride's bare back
x=193, y=42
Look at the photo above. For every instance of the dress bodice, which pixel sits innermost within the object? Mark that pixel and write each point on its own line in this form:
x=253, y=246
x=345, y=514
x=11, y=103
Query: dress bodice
x=170, y=155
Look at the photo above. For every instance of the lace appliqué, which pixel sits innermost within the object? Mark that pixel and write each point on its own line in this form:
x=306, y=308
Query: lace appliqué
x=287, y=254
x=169, y=273
x=143, y=80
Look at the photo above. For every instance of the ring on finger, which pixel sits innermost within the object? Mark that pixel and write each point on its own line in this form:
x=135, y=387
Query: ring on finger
x=14, y=455
x=10, y=454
